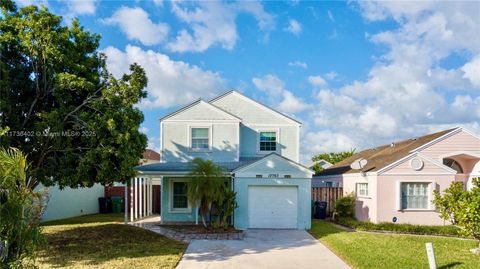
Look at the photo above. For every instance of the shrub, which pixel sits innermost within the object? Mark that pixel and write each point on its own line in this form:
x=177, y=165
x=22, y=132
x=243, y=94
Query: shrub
x=400, y=228
x=20, y=211
x=345, y=206
x=462, y=208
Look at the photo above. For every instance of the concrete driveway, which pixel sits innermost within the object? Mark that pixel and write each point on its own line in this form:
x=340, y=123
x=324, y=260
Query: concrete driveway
x=261, y=249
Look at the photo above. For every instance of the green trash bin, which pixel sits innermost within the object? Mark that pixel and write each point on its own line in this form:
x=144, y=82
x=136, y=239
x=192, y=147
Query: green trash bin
x=117, y=204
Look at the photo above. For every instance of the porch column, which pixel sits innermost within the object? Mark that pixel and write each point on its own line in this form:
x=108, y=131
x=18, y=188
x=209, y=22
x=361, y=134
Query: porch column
x=149, y=181
x=151, y=196
x=125, y=201
x=161, y=198
x=141, y=197
x=136, y=197
x=131, y=200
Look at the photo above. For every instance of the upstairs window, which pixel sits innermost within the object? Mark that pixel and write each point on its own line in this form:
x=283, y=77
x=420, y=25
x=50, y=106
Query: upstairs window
x=268, y=141
x=200, y=138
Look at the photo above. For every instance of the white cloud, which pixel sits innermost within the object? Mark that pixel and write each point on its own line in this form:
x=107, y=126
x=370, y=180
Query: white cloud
x=330, y=16
x=472, y=71
x=298, y=64
x=213, y=23
x=81, y=7
x=159, y=2
x=170, y=82
x=279, y=97
x=136, y=24
x=325, y=141
x=144, y=130
x=317, y=81
x=293, y=27
x=408, y=90
x=331, y=75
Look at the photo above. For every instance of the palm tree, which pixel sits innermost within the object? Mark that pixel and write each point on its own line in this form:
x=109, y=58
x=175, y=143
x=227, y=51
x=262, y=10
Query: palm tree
x=20, y=211
x=206, y=186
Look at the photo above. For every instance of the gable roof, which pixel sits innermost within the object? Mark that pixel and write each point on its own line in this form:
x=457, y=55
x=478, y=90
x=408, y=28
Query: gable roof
x=385, y=155
x=194, y=103
x=274, y=154
x=256, y=103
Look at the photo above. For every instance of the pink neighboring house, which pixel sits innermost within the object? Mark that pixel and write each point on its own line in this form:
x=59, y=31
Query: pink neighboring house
x=398, y=179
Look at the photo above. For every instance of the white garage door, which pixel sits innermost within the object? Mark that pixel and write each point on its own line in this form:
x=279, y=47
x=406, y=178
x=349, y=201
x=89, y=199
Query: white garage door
x=272, y=207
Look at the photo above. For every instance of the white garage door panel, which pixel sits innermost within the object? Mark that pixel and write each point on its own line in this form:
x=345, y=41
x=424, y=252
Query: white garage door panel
x=272, y=207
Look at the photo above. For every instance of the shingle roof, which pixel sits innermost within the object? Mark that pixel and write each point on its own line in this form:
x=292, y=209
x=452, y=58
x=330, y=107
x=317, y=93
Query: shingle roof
x=151, y=155
x=381, y=156
x=182, y=167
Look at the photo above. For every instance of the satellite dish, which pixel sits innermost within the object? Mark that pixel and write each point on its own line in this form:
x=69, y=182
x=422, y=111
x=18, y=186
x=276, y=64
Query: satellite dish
x=358, y=164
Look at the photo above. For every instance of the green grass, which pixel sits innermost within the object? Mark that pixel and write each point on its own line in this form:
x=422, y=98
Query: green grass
x=367, y=250
x=399, y=228
x=102, y=241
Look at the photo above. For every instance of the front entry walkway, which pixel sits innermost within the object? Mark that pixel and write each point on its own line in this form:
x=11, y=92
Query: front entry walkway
x=261, y=249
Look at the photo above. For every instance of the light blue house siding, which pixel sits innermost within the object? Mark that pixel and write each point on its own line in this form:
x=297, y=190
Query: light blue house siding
x=70, y=202
x=242, y=185
x=168, y=215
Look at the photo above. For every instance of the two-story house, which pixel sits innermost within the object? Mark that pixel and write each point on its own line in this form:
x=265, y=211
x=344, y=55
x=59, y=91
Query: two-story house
x=258, y=146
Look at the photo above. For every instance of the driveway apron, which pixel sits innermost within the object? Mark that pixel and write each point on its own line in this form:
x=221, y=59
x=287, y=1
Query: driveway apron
x=261, y=249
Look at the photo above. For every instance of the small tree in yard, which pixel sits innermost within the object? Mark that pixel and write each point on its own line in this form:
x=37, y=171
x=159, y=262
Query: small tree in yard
x=461, y=208
x=20, y=212
x=345, y=206
x=206, y=186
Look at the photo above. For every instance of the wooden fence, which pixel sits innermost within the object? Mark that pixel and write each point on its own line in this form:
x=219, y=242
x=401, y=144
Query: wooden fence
x=329, y=195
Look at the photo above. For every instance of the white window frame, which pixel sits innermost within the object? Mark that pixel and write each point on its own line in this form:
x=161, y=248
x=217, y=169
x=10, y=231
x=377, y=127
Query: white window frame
x=209, y=127
x=431, y=185
x=171, y=208
x=357, y=190
x=277, y=140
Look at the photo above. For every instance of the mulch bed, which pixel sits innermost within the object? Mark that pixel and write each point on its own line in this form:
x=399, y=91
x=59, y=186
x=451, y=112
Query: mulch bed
x=198, y=229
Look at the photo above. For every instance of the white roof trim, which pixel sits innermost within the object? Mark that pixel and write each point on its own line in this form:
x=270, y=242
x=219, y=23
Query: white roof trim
x=438, y=139
x=366, y=174
x=256, y=103
x=200, y=101
x=301, y=167
x=415, y=154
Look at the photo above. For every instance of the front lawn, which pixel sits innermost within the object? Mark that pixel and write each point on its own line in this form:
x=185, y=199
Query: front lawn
x=367, y=250
x=102, y=241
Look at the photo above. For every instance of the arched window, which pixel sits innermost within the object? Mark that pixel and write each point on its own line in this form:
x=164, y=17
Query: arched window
x=453, y=164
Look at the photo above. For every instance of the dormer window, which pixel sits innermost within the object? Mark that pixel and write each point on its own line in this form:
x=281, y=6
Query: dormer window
x=200, y=138
x=268, y=141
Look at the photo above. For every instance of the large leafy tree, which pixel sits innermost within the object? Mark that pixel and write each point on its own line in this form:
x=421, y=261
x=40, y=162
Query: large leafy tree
x=331, y=157
x=461, y=207
x=77, y=123
x=206, y=187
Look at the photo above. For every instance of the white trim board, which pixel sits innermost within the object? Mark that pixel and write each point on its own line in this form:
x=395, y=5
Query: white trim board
x=200, y=101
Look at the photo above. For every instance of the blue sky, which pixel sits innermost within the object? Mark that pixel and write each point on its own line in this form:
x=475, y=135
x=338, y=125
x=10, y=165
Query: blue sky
x=356, y=74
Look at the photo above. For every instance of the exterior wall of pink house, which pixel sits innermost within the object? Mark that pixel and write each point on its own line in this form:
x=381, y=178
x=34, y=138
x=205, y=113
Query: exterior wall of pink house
x=365, y=207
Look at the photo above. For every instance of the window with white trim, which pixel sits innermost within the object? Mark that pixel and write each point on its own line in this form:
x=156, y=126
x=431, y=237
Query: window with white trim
x=414, y=195
x=362, y=189
x=200, y=138
x=179, y=194
x=268, y=141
